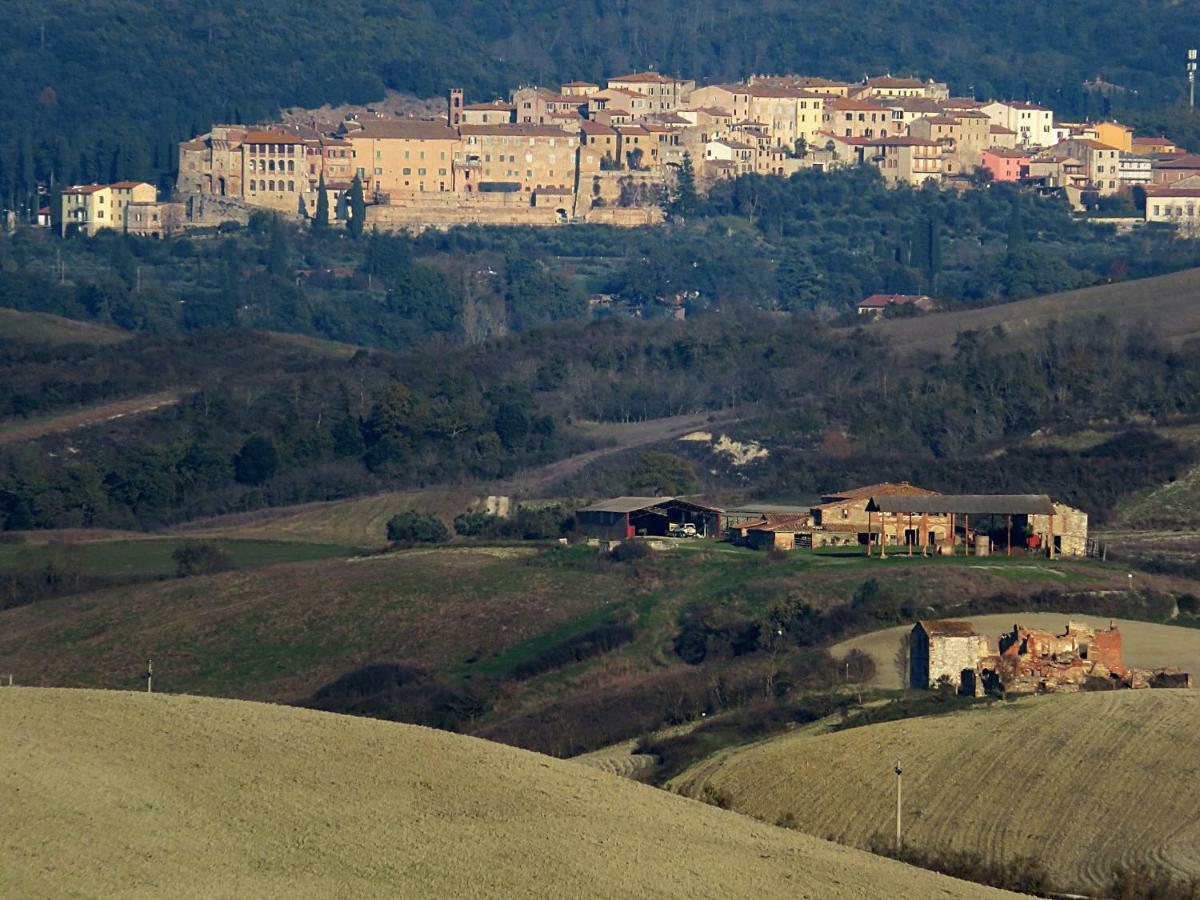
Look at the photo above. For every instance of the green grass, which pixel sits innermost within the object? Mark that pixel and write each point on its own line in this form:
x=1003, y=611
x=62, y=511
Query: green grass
x=153, y=557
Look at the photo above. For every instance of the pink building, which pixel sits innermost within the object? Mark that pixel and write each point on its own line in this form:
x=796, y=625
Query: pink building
x=1005, y=165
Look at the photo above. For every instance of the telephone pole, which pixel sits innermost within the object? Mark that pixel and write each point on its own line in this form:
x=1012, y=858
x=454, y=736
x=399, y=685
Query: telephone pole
x=1191, y=73
x=899, y=794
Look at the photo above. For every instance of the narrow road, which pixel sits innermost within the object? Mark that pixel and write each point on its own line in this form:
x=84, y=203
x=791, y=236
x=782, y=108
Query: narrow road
x=17, y=430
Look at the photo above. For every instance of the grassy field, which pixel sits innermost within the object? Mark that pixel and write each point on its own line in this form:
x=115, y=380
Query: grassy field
x=153, y=557
x=1144, y=644
x=1083, y=782
x=1165, y=305
x=45, y=328
x=152, y=795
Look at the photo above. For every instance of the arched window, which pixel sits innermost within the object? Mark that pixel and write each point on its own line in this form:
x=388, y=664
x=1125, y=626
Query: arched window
x=291, y=185
x=270, y=165
x=291, y=165
x=272, y=185
x=253, y=185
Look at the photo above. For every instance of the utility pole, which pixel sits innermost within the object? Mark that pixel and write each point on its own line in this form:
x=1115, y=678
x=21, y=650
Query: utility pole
x=150, y=685
x=899, y=782
x=1191, y=73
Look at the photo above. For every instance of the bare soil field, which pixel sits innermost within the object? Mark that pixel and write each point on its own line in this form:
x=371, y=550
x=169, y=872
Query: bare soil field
x=143, y=795
x=1144, y=644
x=1083, y=782
x=1166, y=305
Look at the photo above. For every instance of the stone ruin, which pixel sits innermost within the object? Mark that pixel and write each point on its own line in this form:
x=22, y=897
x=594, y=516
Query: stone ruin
x=1027, y=661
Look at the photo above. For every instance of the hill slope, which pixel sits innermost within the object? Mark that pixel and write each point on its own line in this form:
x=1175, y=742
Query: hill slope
x=1084, y=782
x=159, y=795
x=1167, y=304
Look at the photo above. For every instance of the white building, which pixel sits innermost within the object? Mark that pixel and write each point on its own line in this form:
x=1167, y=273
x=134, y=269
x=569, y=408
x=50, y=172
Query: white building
x=1033, y=124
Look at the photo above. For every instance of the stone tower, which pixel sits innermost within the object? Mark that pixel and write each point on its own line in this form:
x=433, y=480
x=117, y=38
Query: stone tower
x=454, y=111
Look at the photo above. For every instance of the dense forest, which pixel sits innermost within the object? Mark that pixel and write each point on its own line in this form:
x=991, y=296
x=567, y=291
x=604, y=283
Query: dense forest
x=104, y=90
x=813, y=243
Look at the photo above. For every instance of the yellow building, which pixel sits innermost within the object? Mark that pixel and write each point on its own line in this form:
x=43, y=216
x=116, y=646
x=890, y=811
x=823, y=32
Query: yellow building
x=858, y=118
x=1101, y=163
x=518, y=156
x=274, y=169
x=664, y=92
x=906, y=160
x=90, y=208
x=1115, y=135
x=404, y=157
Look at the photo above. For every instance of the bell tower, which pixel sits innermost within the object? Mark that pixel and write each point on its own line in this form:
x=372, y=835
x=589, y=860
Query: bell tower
x=454, y=110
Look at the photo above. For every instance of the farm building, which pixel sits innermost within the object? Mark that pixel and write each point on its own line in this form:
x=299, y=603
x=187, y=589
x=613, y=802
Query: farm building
x=843, y=517
x=1034, y=520
x=1027, y=660
x=626, y=517
x=939, y=652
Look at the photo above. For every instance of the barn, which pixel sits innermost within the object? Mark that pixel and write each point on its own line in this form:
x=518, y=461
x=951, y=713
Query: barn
x=625, y=517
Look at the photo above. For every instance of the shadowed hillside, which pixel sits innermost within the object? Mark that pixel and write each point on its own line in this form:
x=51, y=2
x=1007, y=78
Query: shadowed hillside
x=132, y=794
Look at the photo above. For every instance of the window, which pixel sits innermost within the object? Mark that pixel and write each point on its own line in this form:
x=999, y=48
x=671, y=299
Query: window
x=291, y=186
x=441, y=172
x=254, y=187
x=421, y=172
x=378, y=171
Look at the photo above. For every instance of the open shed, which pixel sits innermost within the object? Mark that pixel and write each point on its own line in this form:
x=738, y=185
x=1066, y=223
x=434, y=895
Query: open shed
x=1056, y=527
x=626, y=517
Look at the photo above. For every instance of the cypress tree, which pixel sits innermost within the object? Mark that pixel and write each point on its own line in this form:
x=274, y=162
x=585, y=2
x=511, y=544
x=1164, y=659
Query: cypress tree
x=685, y=201
x=321, y=222
x=358, y=210
x=1016, y=231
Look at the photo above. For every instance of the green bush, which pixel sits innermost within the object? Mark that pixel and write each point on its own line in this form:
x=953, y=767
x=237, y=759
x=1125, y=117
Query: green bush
x=417, y=528
x=200, y=559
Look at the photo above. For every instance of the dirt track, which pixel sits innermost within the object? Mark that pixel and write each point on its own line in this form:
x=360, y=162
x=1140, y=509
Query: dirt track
x=16, y=431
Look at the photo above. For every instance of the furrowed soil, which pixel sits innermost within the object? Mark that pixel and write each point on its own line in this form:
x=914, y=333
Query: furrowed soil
x=1082, y=782
x=1143, y=644
x=150, y=795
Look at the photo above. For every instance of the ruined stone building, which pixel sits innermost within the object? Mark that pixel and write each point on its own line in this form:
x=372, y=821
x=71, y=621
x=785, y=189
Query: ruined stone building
x=940, y=651
x=1027, y=660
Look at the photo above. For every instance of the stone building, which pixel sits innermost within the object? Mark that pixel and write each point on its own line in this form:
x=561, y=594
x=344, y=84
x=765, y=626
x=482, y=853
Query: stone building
x=89, y=208
x=940, y=651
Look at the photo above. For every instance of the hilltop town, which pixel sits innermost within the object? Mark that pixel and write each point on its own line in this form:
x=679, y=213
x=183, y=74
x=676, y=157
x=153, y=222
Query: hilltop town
x=613, y=154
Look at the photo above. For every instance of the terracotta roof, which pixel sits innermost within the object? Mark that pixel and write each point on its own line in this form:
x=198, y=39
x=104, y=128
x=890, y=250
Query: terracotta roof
x=1091, y=142
x=404, y=129
x=779, y=523
x=947, y=628
x=644, y=78
x=967, y=504
x=271, y=137
x=766, y=90
x=127, y=185
x=1000, y=129
x=844, y=103
x=883, y=489
x=581, y=84
x=1191, y=161
x=891, y=81
x=1021, y=104
x=1171, y=191
x=940, y=120
x=85, y=188
x=495, y=104
x=590, y=127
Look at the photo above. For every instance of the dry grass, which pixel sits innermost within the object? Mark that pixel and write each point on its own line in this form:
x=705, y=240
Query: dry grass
x=280, y=632
x=1083, y=782
x=1166, y=304
x=17, y=430
x=1144, y=644
x=139, y=795
x=50, y=329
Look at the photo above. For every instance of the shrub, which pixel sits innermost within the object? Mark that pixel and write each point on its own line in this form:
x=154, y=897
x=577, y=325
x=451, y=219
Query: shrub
x=628, y=551
x=575, y=649
x=200, y=559
x=857, y=666
x=476, y=522
x=401, y=694
x=1144, y=882
x=417, y=528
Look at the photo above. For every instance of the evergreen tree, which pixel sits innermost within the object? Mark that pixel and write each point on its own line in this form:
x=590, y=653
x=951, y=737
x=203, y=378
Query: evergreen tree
x=321, y=221
x=358, y=209
x=1016, y=231
x=684, y=201
x=277, y=249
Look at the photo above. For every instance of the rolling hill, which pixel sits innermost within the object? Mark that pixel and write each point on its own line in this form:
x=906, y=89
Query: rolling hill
x=1165, y=304
x=157, y=795
x=1083, y=782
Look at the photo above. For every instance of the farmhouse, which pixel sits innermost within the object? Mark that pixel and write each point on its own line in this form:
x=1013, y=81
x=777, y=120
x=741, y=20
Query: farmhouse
x=626, y=517
x=937, y=519
x=876, y=304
